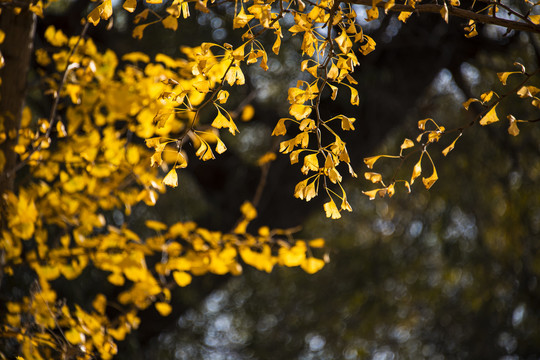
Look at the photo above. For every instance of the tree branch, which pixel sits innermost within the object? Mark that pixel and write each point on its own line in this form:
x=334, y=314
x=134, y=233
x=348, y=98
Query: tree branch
x=458, y=12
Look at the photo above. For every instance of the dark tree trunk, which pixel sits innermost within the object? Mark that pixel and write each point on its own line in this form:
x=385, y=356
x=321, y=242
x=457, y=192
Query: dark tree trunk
x=16, y=50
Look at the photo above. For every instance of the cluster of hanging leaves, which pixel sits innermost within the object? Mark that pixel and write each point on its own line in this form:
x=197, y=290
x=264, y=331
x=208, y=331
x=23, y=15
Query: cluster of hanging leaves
x=431, y=132
x=332, y=39
x=118, y=128
x=86, y=163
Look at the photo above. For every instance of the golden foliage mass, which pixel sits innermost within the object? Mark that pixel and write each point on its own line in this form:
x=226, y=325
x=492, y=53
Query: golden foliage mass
x=84, y=164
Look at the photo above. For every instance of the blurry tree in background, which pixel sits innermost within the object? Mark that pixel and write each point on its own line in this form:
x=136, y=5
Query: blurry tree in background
x=105, y=112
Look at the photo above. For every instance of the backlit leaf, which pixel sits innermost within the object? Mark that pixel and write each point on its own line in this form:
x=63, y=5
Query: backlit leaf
x=311, y=265
x=417, y=170
x=513, y=129
x=130, y=5
x=490, y=117
x=503, y=76
x=170, y=22
x=171, y=179
x=300, y=111
x=163, y=308
x=407, y=143
x=428, y=182
x=370, y=161
x=182, y=278
x=331, y=210
x=373, y=177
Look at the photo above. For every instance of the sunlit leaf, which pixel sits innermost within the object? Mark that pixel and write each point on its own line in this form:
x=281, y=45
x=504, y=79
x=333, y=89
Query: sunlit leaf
x=490, y=117
x=130, y=5
x=138, y=31
x=182, y=278
x=451, y=146
x=513, y=129
x=373, y=193
x=300, y=111
x=417, y=170
x=311, y=265
x=317, y=243
x=407, y=143
x=503, y=76
x=428, y=182
x=170, y=22
x=163, y=308
x=311, y=162
x=331, y=210
x=373, y=177
x=404, y=15
x=171, y=179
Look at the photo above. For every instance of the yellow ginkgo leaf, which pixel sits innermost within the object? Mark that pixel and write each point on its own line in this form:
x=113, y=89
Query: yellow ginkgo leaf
x=299, y=189
x=162, y=116
x=468, y=103
x=248, y=210
x=242, y=19
x=130, y=5
x=344, y=42
x=182, y=278
x=373, y=177
x=407, y=143
x=311, y=162
x=373, y=193
x=202, y=86
x=487, y=96
x=300, y=111
x=503, y=76
x=369, y=46
x=280, y=128
x=345, y=204
x=74, y=337
x=390, y=190
x=422, y=124
x=317, y=243
x=310, y=191
x=370, y=161
x=451, y=146
x=138, y=31
x=155, y=225
x=171, y=179
x=428, y=182
x=417, y=170
x=354, y=96
x=220, y=147
x=311, y=265
x=94, y=17
x=220, y=121
x=347, y=122
x=404, y=15
x=170, y=22
x=331, y=210
x=513, y=129
x=535, y=19
x=106, y=9
x=163, y=308
x=490, y=117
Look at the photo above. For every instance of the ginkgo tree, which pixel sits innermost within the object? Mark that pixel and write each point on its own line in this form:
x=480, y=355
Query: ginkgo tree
x=121, y=129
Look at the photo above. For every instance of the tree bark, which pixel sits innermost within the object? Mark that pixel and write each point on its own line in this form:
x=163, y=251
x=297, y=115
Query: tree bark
x=16, y=50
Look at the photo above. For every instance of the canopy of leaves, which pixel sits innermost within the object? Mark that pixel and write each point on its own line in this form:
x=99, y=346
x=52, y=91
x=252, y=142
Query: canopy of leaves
x=107, y=128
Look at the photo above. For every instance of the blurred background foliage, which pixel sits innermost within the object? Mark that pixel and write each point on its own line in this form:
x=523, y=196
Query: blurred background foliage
x=442, y=274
